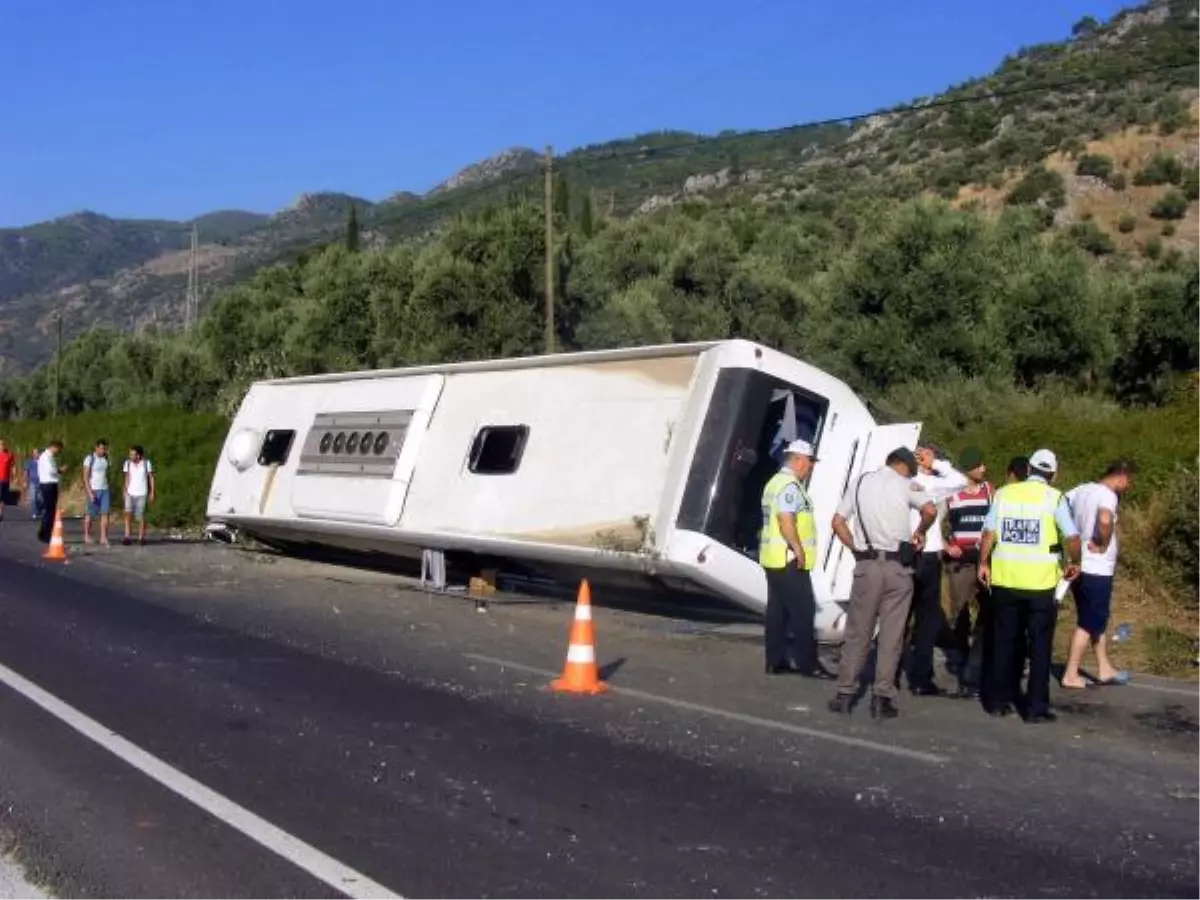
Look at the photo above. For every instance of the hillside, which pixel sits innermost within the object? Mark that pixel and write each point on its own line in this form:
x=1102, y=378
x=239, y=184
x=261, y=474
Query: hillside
x=1067, y=128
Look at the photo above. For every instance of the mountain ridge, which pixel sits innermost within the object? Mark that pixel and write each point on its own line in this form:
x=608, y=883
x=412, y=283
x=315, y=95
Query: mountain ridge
x=983, y=134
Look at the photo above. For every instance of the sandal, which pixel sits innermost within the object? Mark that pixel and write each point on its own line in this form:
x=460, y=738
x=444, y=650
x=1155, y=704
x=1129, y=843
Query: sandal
x=1122, y=677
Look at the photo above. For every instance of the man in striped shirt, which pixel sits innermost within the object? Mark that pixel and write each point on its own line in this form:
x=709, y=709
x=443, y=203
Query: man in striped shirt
x=964, y=512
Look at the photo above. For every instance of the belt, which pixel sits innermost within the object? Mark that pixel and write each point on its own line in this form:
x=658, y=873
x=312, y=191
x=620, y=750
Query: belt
x=866, y=555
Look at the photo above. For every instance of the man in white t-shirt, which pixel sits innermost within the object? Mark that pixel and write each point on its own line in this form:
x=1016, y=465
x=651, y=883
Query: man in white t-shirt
x=139, y=491
x=1094, y=507
x=95, y=482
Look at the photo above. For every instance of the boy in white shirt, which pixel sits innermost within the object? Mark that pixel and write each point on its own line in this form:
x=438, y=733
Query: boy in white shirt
x=1094, y=507
x=139, y=491
x=95, y=482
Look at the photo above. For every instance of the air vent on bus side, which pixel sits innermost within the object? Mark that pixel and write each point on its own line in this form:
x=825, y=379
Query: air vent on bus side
x=355, y=444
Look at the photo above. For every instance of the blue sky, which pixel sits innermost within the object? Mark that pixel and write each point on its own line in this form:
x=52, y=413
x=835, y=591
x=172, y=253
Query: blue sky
x=171, y=108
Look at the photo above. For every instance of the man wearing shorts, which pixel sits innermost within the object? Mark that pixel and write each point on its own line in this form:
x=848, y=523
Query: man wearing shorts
x=8, y=465
x=95, y=482
x=139, y=491
x=1094, y=507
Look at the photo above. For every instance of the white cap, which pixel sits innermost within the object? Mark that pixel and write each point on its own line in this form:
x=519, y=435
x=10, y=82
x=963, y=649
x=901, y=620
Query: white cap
x=1043, y=461
x=801, y=448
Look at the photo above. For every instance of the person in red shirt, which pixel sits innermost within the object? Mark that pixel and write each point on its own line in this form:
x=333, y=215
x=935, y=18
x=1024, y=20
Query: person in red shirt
x=963, y=513
x=8, y=464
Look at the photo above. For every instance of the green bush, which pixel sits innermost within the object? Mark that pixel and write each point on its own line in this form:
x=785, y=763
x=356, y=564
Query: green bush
x=1178, y=540
x=182, y=446
x=1168, y=229
x=1039, y=184
x=1190, y=185
x=1094, y=164
x=1171, y=205
x=1153, y=247
x=1092, y=238
x=1163, y=168
x=1117, y=182
x=1126, y=223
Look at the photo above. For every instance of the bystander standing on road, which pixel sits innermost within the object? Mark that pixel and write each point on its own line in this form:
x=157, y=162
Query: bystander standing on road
x=940, y=480
x=95, y=482
x=32, y=486
x=1026, y=530
x=8, y=468
x=787, y=551
x=963, y=513
x=884, y=547
x=49, y=472
x=139, y=491
x=1094, y=506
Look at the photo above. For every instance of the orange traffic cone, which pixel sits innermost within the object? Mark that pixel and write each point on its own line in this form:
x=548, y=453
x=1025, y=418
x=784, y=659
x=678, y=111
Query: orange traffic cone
x=580, y=675
x=56, y=551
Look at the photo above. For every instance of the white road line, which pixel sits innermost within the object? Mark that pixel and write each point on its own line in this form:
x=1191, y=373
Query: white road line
x=325, y=868
x=1163, y=689
x=788, y=727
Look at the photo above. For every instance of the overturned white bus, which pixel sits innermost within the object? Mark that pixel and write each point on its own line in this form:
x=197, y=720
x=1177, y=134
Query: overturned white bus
x=638, y=467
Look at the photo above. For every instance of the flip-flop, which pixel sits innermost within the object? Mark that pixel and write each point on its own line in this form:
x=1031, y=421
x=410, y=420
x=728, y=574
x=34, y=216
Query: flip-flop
x=1120, y=678
x=1074, y=687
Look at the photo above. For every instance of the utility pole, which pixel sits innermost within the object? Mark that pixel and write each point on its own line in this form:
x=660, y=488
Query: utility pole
x=549, y=249
x=57, y=360
x=191, y=303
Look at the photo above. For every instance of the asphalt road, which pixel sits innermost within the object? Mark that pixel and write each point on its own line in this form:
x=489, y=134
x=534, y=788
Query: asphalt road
x=411, y=739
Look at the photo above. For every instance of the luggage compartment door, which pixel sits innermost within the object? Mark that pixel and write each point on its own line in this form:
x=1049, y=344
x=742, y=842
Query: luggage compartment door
x=362, y=447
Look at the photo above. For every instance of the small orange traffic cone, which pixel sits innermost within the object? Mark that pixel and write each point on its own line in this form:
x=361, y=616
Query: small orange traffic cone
x=580, y=675
x=56, y=551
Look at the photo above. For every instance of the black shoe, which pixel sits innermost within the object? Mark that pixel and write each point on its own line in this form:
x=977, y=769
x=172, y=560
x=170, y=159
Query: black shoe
x=999, y=712
x=779, y=670
x=928, y=689
x=819, y=674
x=883, y=708
x=842, y=704
x=1038, y=718
x=968, y=692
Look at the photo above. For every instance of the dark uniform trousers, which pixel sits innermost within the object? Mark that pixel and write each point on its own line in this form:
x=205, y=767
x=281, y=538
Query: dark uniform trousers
x=926, y=617
x=791, y=607
x=49, y=495
x=1021, y=618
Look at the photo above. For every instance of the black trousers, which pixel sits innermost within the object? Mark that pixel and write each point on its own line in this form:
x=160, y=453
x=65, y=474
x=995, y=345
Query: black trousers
x=791, y=607
x=1021, y=617
x=49, y=495
x=927, y=618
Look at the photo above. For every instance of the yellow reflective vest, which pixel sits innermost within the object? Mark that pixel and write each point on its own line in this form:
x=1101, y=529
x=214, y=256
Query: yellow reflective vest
x=772, y=548
x=1022, y=558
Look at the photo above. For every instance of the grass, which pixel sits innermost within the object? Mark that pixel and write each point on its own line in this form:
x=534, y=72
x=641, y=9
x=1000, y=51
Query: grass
x=182, y=446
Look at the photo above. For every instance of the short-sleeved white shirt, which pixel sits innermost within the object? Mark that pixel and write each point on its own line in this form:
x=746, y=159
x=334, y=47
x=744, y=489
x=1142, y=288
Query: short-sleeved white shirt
x=1086, y=501
x=138, y=477
x=99, y=466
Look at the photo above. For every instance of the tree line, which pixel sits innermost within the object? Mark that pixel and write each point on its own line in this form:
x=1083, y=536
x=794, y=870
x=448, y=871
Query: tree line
x=881, y=295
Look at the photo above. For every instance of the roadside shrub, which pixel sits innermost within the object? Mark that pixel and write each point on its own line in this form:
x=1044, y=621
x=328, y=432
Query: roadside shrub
x=1118, y=181
x=1094, y=164
x=1171, y=205
x=1190, y=185
x=1163, y=168
x=1092, y=238
x=1178, y=540
x=1126, y=223
x=1168, y=229
x=1039, y=184
x=1153, y=247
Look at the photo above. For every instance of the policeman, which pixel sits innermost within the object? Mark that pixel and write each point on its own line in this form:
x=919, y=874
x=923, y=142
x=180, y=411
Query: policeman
x=885, y=548
x=1018, y=562
x=787, y=551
